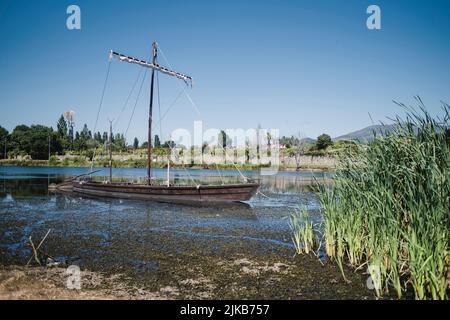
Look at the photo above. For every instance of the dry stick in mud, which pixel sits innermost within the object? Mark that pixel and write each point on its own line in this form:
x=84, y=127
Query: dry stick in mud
x=35, y=249
x=34, y=252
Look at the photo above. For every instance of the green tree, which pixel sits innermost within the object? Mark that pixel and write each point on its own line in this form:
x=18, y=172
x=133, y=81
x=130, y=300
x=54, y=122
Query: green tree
x=98, y=137
x=62, y=128
x=169, y=144
x=63, y=132
x=83, y=140
x=247, y=150
x=105, y=137
x=34, y=141
x=71, y=137
x=56, y=143
x=89, y=153
x=135, y=143
x=224, y=140
x=288, y=142
x=157, y=142
x=79, y=143
x=119, y=142
x=3, y=141
x=20, y=140
x=323, y=141
x=84, y=134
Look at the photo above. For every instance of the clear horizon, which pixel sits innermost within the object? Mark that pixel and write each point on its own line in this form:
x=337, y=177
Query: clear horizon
x=309, y=66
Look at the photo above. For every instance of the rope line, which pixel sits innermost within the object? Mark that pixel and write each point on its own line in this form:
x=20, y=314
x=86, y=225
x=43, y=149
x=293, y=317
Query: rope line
x=160, y=126
x=198, y=112
x=136, y=102
x=103, y=95
x=137, y=97
x=185, y=92
x=99, y=108
x=129, y=96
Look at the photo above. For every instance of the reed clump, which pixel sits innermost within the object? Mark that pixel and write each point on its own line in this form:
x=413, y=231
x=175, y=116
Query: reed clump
x=304, y=236
x=389, y=207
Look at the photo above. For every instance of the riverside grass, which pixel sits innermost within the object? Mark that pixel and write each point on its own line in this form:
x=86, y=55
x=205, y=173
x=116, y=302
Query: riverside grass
x=389, y=207
x=303, y=231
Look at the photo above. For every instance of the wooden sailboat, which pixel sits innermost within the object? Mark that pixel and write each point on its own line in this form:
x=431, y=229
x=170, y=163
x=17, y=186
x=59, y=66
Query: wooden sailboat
x=164, y=193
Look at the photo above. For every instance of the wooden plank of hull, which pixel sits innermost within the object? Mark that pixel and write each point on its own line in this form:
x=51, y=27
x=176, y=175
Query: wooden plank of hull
x=175, y=194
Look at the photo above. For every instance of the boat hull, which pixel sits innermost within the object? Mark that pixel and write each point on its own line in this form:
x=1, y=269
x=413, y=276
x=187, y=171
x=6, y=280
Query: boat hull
x=172, y=194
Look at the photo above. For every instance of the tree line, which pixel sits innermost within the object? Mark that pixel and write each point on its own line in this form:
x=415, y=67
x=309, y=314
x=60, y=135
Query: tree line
x=40, y=142
x=321, y=143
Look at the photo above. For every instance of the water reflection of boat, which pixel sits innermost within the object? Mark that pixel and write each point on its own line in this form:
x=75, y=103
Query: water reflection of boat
x=66, y=186
x=227, y=209
x=61, y=187
x=283, y=184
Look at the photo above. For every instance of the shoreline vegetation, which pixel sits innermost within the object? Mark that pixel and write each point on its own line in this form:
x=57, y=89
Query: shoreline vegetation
x=388, y=209
x=141, y=163
x=39, y=145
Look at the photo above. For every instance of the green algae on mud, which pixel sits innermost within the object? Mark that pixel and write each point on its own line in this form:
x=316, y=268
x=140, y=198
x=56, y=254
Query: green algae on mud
x=173, y=251
x=183, y=269
x=205, y=278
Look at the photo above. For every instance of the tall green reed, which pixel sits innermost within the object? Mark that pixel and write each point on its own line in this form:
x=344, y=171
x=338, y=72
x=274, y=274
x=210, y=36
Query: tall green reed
x=302, y=227
x=390, y=206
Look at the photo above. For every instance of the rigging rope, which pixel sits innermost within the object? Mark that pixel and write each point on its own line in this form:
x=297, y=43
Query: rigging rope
x=137, y=98
x=160, y=118
x=167, y=111
x=184, y=90
x=198, y=112
x=135, y=103
x=160, y=125
x=100, y=107
x=182, y=165
x=129, y=96
x=103, y=94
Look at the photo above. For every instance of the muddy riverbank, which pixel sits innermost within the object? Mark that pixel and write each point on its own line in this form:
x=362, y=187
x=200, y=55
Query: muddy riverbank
x=171, y=263
x=210, y=278
x=41, y=283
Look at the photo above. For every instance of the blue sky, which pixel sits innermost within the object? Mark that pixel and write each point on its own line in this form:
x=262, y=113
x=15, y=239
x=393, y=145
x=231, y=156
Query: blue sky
x=309, y=66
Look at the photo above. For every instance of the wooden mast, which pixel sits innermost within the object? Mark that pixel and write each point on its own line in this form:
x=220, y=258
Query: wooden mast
x=155, y=67
x=149, y=146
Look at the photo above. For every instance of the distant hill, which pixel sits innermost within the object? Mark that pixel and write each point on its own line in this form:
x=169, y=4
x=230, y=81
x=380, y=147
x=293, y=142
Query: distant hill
x=307, y=140
x=367, y=134
x=364, y=135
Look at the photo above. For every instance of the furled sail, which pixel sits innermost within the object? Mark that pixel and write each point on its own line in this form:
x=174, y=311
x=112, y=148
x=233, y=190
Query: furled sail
x=123, y=57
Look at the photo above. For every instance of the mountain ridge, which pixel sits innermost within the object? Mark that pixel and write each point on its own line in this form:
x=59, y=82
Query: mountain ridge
x=367, y=134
